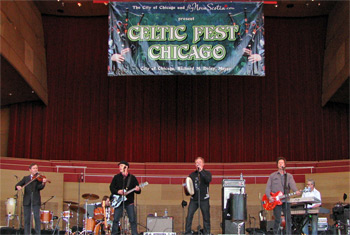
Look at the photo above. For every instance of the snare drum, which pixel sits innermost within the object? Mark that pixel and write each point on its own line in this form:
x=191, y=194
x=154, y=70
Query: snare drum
x=98, y=213
x=11, y=207
x=90, y=225
x=67, y=214
x=46, y=217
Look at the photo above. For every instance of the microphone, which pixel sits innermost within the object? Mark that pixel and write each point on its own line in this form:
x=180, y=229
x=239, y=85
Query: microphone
x=284, y=169
x=52, y=197
x=15, y=176
x=81, y=177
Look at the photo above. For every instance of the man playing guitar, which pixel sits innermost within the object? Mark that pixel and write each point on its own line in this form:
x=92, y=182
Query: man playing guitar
x=281, y=181
x=121, y=183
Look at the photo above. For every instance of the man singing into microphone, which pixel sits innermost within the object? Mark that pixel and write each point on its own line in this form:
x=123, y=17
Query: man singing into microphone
x=281, y=181
x=121, y=183
x=201, y=179
x=31, y=198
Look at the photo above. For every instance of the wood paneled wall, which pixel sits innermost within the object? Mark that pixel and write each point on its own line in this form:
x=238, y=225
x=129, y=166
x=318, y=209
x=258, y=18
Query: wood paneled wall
x=4, y=129
x=336, y=60
x=22, y=43
x=157, y=197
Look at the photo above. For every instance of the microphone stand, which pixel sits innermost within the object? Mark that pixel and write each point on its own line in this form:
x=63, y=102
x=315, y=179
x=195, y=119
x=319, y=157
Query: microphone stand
x=31, y=210
x=286, y=200
x=199, y=202
x=19, y=207
x=44, y=203
x=123, y=217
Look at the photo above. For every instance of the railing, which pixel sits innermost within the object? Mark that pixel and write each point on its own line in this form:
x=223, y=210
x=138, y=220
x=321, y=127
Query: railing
x=74, y=167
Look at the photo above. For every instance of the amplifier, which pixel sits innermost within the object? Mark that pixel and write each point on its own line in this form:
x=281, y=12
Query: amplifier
x=160, y=225
x=148, y=233
x=233, y=183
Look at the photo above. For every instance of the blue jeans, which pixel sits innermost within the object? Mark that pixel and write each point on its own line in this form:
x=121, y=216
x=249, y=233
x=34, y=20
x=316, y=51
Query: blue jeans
x=277, y=214
x=118, y=212
x=314, y=220
x=192, y=208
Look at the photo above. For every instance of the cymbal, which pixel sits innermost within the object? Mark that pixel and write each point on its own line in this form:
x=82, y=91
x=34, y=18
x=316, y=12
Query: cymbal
x=90, y=196
x=70, y=202
x=77, y=208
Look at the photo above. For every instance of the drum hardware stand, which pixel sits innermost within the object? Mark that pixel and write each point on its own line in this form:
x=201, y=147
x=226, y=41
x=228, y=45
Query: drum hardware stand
x=85, y=217
x=81, y=178
x=57, y=227
x=68, y=230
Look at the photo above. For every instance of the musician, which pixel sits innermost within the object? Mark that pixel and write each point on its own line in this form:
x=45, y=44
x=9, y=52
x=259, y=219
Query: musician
x=31, y=198
x=281, y=181
x=313, y=192
x=204, y=177
x=121, y=183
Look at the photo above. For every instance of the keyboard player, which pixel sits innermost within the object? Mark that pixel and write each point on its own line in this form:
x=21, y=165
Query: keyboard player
x=312, y=218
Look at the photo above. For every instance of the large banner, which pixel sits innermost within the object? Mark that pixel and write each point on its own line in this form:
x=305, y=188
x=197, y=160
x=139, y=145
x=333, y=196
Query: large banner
x=186, y=38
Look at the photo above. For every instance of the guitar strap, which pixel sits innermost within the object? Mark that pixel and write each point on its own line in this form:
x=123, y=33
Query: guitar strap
x=128, y=183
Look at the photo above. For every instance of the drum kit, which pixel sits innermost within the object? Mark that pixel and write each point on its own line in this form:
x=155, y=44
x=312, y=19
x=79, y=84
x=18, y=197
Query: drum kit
x=93, y=222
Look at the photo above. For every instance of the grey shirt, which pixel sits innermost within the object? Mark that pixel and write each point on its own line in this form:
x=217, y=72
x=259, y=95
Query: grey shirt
x=276, y=183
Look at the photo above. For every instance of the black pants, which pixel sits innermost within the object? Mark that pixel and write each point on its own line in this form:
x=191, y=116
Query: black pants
x=27, y=219
x=192, y=208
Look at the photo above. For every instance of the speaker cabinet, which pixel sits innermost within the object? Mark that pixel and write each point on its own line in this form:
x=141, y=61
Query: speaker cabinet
x=160, y=224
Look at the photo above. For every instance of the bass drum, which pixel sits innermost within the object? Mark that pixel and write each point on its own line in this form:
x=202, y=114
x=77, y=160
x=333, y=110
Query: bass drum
x=90, y=225
x=189, y=189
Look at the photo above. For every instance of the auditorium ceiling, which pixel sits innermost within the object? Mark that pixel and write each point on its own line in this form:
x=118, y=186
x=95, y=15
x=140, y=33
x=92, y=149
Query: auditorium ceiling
x=271, y=8
x=24, y=93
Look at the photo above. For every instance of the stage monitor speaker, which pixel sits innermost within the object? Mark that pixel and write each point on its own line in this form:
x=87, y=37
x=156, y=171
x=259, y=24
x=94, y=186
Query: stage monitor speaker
x=233, y=227
x=160, y=224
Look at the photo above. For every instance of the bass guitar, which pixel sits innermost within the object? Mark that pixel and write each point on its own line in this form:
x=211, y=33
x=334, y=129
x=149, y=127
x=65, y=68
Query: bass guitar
x=277, y=197
x=118, y=199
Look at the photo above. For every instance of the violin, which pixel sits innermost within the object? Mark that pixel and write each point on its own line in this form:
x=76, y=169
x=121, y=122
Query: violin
x=40, y=178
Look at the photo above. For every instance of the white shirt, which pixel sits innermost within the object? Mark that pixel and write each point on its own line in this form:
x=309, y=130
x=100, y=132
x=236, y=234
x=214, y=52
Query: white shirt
x=314, y=193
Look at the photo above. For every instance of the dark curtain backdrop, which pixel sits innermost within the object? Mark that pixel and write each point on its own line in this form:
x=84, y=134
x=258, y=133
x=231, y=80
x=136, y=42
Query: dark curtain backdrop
x=173, y=119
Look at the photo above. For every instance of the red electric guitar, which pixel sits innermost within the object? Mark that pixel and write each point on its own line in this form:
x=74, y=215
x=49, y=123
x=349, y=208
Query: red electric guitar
x=277, y=197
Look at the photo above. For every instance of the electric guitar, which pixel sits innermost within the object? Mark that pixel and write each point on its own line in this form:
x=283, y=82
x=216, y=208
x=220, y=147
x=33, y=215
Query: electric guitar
x=277, y=197
x=118, y=199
